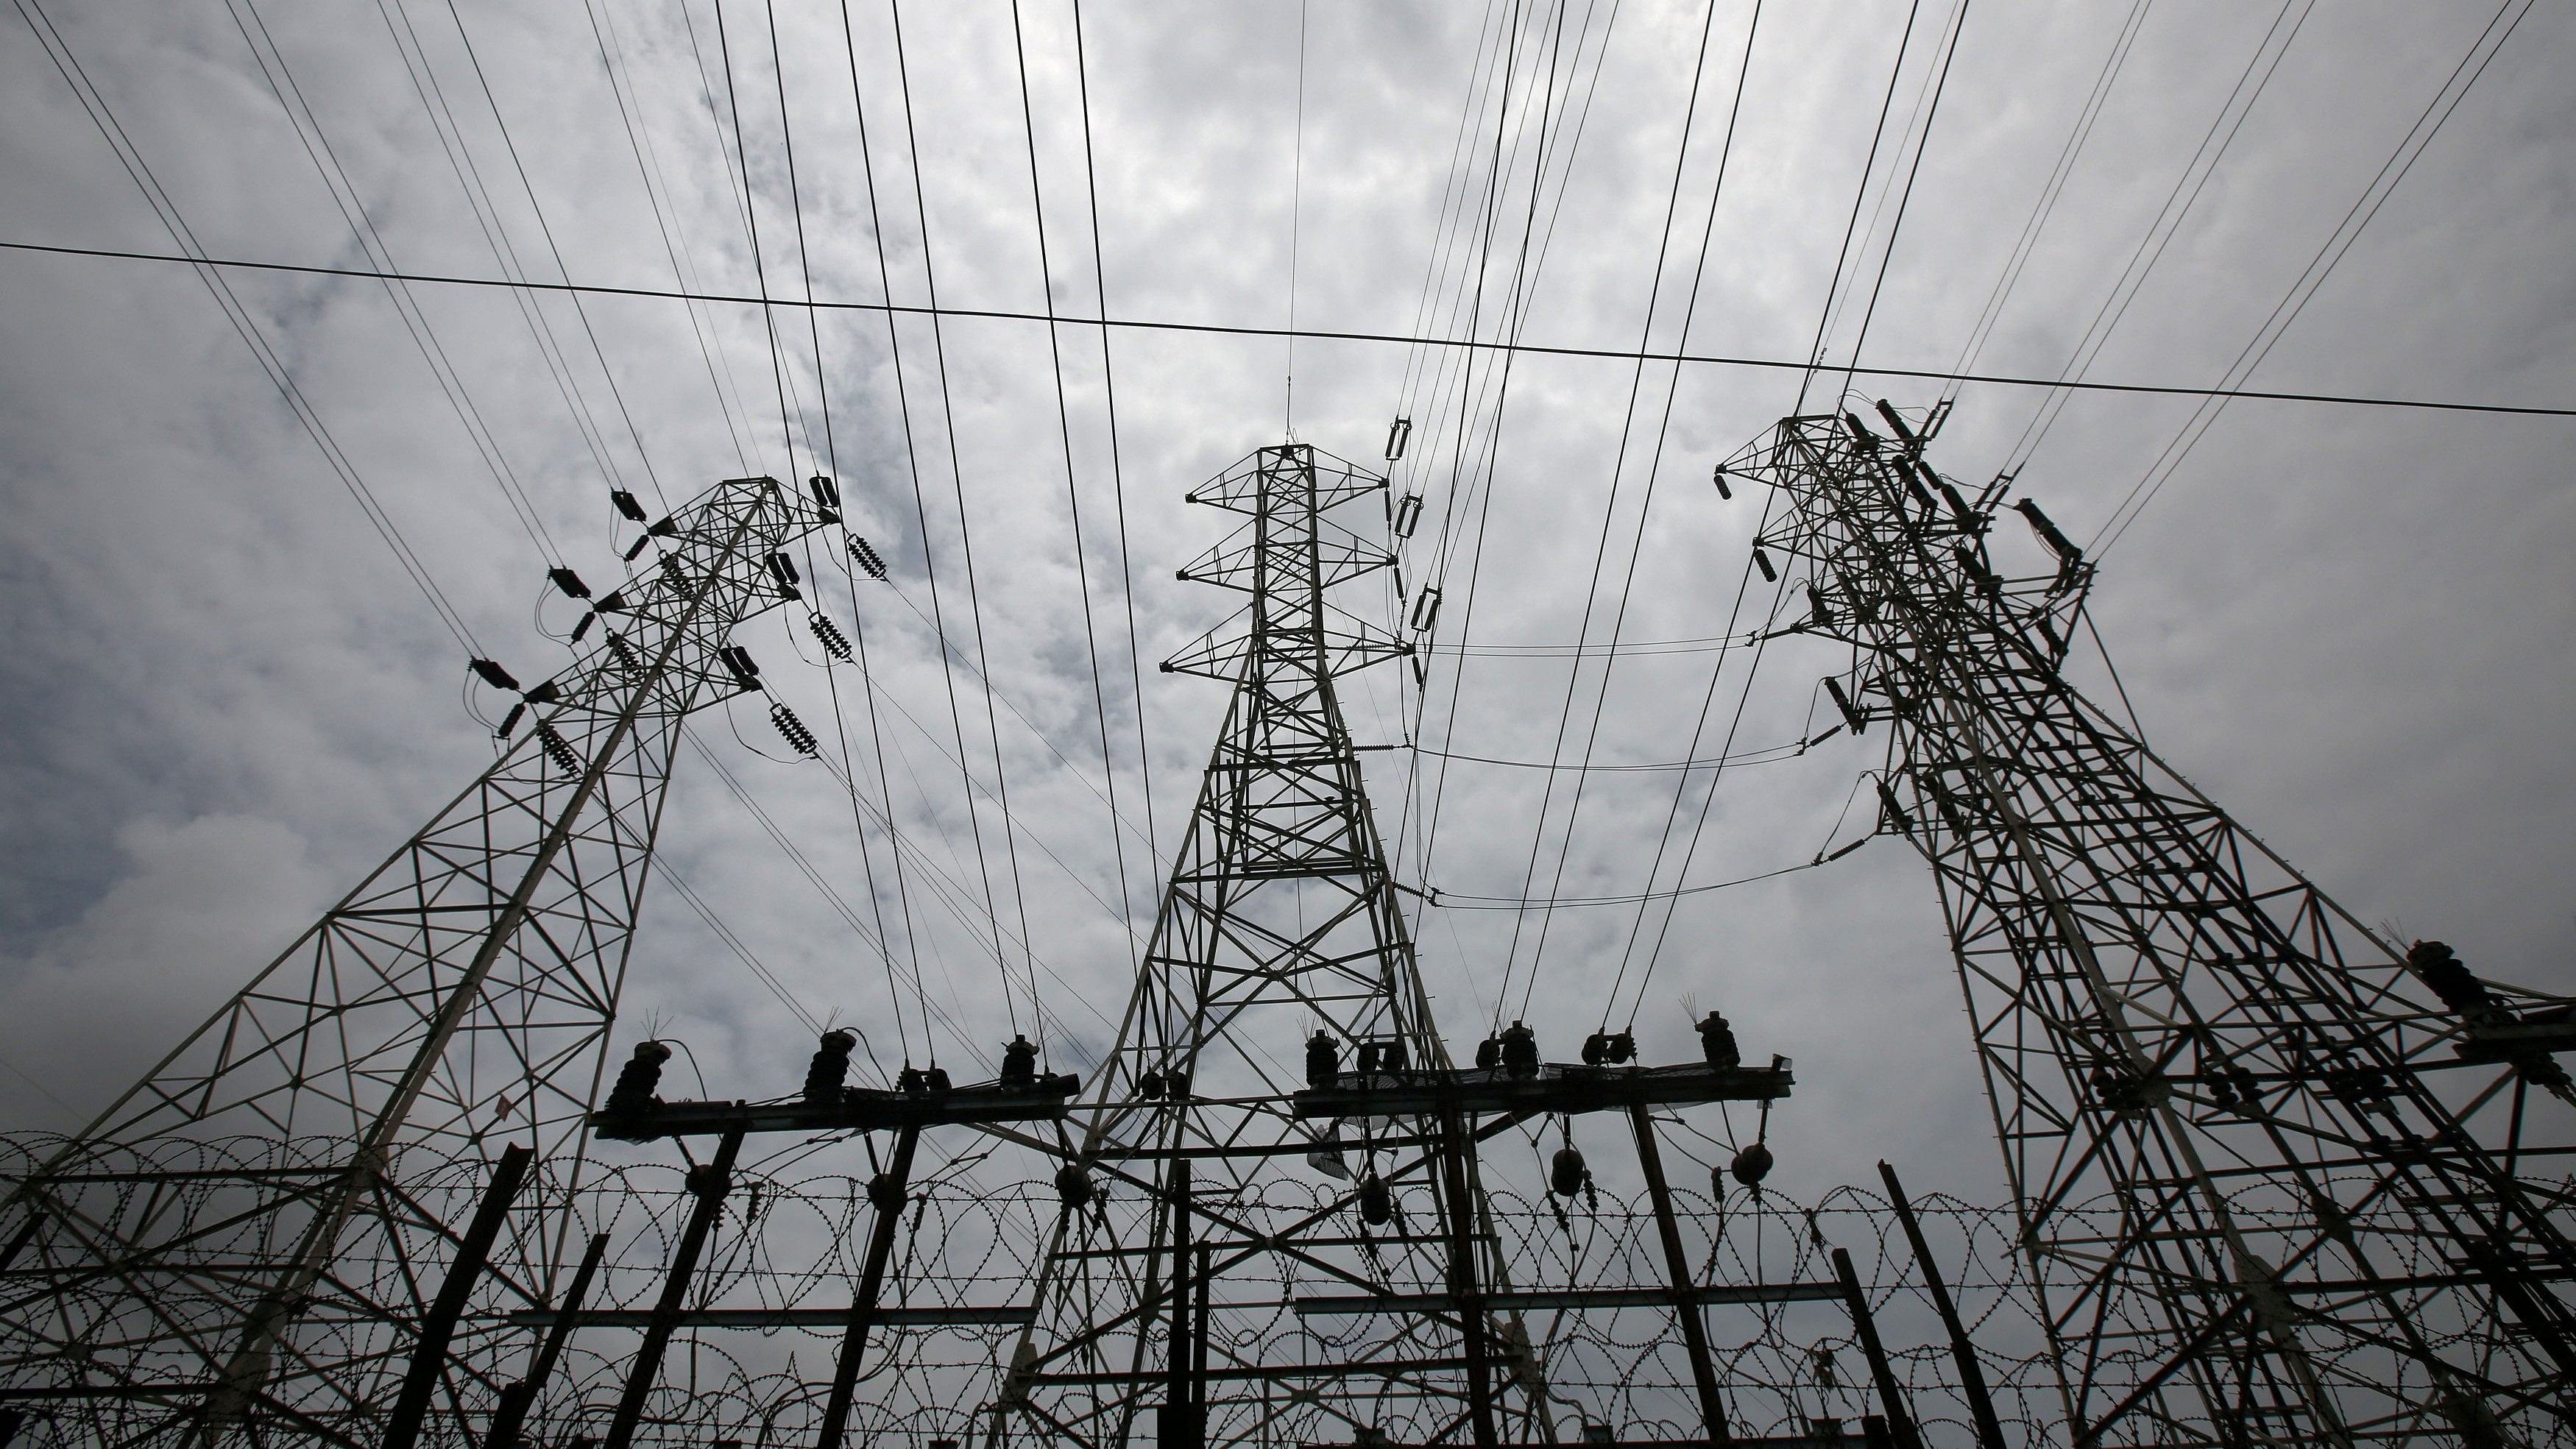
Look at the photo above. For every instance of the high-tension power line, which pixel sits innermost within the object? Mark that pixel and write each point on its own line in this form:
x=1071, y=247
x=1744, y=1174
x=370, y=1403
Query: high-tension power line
x=1314, y=334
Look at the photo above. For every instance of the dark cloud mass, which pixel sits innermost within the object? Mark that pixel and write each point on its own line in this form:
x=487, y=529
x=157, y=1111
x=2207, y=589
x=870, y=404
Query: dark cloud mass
x=224, y=700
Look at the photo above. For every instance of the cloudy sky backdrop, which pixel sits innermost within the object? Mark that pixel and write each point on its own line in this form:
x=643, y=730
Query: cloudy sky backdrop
x=224, y=700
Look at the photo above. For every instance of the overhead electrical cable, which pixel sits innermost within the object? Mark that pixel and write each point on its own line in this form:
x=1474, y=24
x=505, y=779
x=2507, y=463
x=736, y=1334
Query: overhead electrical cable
x=1860, y=195
x=911, y=450
x=271, y=365
x=1117, y=472
x=2303, y=289
x=1454, y=343
x=2123, y=42
x=1072, y=496
x=607, y=373
x=639, y=144
x=1654, y=471
x=1601, y=544
x=2167, y=223
x=1922, y=145
x=831, y=465
x=965, y=533
x=370, y=240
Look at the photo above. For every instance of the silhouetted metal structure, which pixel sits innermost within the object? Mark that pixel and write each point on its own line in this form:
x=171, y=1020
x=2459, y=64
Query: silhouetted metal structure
x=2280, y=1181
x=246, y=1238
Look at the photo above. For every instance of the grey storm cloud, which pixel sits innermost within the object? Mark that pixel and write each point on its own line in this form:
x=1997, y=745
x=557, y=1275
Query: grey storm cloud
x=225, y=700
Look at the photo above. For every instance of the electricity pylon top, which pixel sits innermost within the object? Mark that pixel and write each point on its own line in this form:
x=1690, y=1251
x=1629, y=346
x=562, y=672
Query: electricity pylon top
x=252, y=1234
x=2275, y=1174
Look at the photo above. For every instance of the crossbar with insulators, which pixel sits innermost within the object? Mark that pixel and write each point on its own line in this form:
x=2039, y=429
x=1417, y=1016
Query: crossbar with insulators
x=857, y=1109
x=1556, y=1087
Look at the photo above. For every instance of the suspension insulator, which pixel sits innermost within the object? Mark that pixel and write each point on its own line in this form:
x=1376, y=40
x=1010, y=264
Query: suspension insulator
x=1323, y=1059
x=1397, y=435
x=1176, y=1080
x=866, y=558
x=738, y=660
x=1566, y=1172
x=624, y=651
x=830, y=1067
x=829, y=635
x=1819, y=613
x=627, y=504
x=1717, y=1043
x=584, y=626
x=671, y=570
x=1751, y=1165
x=557, y=750
x=1073, y=1187
x=1896, y=813
x=510, y=721
x=1762, y=561
x=792, y=729
x=1377, y=1204
x=1718, y=477
x=1150, y=1085
x=1408, y=515
x=827, y=494
x=570, y=582
x=637, y=1079
x=494, y=675
x=783, y=569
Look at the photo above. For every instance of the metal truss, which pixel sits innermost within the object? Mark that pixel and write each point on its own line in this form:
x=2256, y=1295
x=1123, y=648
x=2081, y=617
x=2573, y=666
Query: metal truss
x=243, y=1240
x=2280, y=1181
x=1280, y=927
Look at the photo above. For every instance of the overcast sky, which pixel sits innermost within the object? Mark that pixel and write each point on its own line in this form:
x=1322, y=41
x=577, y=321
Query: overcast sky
x=225, y=700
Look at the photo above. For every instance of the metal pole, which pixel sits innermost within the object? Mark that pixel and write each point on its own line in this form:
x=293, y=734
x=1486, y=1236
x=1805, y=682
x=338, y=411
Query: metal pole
x=1972, y=1379
x=1174, y=1426
x=1199, y=1349
x=1677, y=1264
x=429, y=1355
x=1866, y=1330
x=710, y=1183
x=1463, y=1277
x=863, y=1306
x=518, y=1398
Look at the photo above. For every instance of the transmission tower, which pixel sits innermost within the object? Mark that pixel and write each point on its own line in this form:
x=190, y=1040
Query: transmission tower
x=256, y=1235
x=2279, y=1179
x=1265, y=1240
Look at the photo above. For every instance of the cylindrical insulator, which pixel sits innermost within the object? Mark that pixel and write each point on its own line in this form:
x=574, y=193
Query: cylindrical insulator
x=1323, y=1060
x=1019, y=1063
x=636, y=1080
x=1717, y=1043
x=1751, y=1165
x=1565, y=1172
x=1520, y=1051
x=830, y=1067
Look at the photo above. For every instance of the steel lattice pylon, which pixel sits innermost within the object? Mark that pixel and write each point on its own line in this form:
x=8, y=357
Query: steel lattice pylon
x=1280, y=921
x=253, y=1235
x=2276, y=1176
